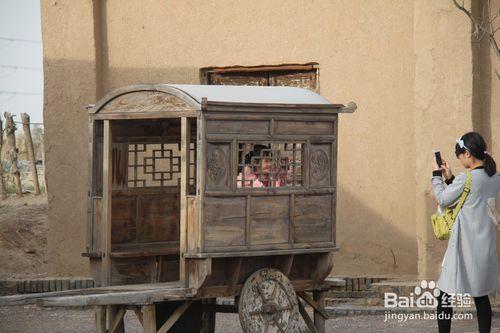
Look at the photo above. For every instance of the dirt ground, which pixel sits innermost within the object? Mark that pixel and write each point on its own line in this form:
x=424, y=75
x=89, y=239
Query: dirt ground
x=23, y=231
x=55, y=320
x=23, y=237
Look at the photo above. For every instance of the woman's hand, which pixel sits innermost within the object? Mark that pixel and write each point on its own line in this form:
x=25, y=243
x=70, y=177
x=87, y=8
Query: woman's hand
x=446, y=170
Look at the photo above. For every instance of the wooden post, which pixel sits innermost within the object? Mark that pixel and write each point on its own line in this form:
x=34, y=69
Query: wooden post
x=115, y=318
x=149, y=318
x=28, y=142
x=106, y=204
x=3, y=192
x=319, y=320
x=185, y=136
x=208, y=318
x=100, y=319
x=10, y=129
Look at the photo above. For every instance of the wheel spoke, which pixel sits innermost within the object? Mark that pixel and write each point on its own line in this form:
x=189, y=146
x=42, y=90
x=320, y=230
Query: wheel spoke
x=278, y=325
x=284, y=308
x=266, y=326
x=275, y=290
x=258, y=312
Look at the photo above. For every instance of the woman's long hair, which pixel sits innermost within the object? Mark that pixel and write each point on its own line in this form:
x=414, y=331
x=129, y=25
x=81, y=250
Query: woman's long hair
x=475, y=144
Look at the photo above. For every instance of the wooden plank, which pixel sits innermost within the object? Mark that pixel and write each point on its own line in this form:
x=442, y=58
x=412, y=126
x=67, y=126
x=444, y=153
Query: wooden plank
x=248, y=216
x=285, y=127
x=324, y=265
x=291, y=214
x=117, y=298
x=274, y=107
x=145, y=253
x=100, y=319
x=249, y=116
x=184, y=207
x=262, y=68
x=107, y=204
x=284, y=263
x=149, y=318
x=319, y=311
x=225, y=222
x=139, y=316
x=265, y=137
x=208, y=317
x=278, y=191
x=96, y=224
x=174, y=317
x=312, y=219
x=307, y=319
x=236, y=127
x=159, y=217
x=191, y=227
x=24, y=299
x=115, y=319
x=297, y=250
x=198, y=271
x=201, y=175
x=144, y=115
x=269, y=221
x=123, y=220
x=317, y=303
x=234, y=275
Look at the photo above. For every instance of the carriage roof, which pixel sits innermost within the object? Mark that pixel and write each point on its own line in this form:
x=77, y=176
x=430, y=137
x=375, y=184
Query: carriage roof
x=148, y=98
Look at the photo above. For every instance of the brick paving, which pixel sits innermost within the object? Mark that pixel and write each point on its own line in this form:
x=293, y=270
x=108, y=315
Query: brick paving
x=21, y=319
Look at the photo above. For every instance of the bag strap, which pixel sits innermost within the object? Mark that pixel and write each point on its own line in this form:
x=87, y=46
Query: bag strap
x=466, y=191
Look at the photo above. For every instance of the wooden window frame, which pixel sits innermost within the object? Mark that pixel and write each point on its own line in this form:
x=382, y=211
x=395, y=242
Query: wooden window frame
x=205, y=72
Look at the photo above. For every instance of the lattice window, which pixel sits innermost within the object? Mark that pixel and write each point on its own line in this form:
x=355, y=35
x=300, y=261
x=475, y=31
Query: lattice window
x=269, y=164
x=157, y=164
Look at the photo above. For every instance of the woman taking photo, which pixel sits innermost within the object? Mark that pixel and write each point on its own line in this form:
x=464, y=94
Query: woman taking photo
x=470, y=262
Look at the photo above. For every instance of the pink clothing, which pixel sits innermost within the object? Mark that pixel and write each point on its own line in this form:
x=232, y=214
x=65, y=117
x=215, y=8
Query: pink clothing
x=251, y=177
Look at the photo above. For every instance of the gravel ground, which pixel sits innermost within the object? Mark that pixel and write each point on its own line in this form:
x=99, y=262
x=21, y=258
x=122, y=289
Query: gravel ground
x=56, y=320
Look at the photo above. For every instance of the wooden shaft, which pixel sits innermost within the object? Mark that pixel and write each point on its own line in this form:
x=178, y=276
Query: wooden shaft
x=28, y=142
x=149, y=318
x=3, y=192
x=174, y=317
x=10, y=129
x=319, y=318
x=115, y=318
x=100, y=319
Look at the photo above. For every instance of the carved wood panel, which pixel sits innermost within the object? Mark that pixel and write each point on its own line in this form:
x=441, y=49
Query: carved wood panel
x=218, y=165
x=320, y=165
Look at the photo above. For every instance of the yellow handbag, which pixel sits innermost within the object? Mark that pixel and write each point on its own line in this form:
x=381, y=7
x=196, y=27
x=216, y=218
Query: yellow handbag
x=442, y=223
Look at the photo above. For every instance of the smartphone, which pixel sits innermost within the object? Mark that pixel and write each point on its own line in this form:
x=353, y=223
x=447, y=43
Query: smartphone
x=439, y=160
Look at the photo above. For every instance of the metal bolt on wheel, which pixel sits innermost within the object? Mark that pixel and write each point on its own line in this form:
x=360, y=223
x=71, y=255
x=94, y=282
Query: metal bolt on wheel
x=268, y=303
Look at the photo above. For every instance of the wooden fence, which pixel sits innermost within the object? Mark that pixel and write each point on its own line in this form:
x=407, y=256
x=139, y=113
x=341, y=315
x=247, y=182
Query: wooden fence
x=10, y=153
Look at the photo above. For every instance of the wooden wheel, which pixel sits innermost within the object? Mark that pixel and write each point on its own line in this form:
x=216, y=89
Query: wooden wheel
x=268, y=303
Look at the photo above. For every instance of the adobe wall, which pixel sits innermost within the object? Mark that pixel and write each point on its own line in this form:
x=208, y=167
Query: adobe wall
x=387, y=56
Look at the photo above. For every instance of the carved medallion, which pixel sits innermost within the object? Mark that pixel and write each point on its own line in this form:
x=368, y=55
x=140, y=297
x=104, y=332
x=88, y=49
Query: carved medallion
x=319, y=164
x=216, y=168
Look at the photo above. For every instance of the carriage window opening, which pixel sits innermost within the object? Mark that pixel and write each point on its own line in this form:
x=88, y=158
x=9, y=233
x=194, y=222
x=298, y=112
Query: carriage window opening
x=158, y=165
x=269, y=164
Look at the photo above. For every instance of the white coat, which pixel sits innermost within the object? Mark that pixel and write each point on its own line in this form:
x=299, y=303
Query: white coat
x=470, y=261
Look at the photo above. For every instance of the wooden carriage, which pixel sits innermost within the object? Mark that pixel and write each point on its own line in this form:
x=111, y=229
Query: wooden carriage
x=199, y=192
